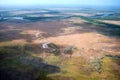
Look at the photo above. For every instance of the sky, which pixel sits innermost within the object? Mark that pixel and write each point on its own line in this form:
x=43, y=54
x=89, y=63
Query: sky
x=60, y=2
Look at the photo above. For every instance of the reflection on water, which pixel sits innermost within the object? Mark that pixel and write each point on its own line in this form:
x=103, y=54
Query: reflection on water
x=18, y=18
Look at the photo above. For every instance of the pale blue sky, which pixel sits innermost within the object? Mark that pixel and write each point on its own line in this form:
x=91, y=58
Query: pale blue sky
x=59, y=2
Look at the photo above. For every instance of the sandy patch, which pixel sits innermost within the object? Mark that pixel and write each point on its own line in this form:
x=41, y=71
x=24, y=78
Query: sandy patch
x=111, y=22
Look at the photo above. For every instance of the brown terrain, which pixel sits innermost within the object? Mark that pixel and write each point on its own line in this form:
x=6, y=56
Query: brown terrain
x=88, y=40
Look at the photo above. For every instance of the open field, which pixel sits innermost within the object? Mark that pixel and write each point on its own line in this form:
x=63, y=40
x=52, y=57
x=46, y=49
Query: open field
x=111, y=22
x=83, y=45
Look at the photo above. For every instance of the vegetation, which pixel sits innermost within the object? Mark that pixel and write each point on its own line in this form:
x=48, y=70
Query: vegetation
x=97, y=64
x=112, y=16
x=103, y=28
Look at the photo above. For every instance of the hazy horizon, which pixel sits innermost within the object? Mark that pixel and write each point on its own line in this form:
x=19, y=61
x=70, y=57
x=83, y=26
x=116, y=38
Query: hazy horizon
x=60, y=3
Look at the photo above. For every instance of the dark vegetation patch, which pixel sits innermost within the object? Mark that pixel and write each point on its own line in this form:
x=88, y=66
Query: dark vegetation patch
x=105, y=16
x=23, y=73
x=17, y=62
x=58, y=77
x=45, y=18
x=9, y=35
x=12, y=74
x=11, y=51
x=101, y=27
x=113, y=57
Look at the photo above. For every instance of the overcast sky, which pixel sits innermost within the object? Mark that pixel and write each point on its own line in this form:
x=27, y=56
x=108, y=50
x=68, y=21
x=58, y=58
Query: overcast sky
x=60, y=2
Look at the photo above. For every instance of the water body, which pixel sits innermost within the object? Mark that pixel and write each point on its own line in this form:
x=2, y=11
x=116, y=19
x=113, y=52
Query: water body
x=18, y=18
